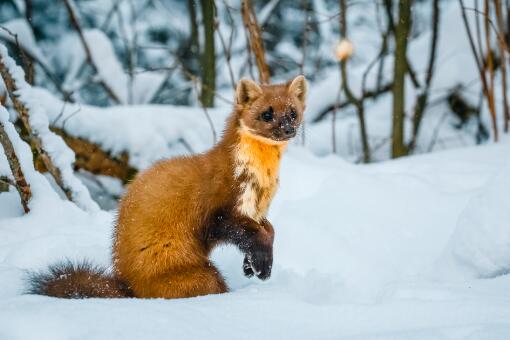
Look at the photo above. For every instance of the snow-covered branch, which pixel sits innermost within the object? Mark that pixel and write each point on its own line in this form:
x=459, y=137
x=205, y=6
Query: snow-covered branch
x=19, y=182
x=53, y=152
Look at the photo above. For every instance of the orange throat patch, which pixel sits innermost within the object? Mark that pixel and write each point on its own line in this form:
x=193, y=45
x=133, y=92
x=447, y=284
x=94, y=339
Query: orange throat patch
x=257, y=164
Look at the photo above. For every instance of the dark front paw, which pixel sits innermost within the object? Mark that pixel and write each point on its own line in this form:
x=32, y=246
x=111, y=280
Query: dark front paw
x=247, y=269
x=260, y=263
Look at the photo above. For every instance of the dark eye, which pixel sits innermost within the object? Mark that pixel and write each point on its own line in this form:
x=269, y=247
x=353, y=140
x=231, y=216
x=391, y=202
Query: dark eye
x=293, y=114
x=267, y=116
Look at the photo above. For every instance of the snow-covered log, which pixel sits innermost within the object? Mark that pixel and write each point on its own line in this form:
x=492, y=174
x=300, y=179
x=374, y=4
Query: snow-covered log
x=94, y=159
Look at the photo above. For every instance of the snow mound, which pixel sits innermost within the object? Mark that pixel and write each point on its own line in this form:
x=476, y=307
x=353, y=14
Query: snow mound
x=353, y=250
x=482, y=238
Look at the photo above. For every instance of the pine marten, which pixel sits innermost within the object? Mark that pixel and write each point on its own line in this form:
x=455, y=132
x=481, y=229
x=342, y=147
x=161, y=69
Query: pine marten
x=177, y=211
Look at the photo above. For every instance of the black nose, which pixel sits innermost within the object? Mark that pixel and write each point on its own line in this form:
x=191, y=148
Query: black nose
x=289, y=130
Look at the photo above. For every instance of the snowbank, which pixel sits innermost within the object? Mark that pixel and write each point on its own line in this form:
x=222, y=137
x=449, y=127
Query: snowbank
x=356, y=251
x=482, y=239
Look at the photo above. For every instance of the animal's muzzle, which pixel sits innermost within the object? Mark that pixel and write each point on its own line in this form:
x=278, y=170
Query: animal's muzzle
x=287, y=127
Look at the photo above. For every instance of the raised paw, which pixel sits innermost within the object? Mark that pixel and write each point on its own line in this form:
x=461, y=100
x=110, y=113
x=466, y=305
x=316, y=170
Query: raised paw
x=247, y=269
x=261, y=262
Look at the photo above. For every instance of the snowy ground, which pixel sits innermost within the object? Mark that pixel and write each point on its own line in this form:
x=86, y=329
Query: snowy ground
x=416, y=248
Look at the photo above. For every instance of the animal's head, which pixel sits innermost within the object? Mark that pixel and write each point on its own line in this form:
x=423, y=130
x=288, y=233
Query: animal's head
x=272, y=113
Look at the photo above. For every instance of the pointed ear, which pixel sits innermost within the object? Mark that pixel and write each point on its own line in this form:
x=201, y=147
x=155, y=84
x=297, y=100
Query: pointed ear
x=298, y=88
x=247, y=91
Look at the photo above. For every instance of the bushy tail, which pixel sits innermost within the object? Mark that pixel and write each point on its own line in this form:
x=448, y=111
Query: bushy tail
x=77, y=281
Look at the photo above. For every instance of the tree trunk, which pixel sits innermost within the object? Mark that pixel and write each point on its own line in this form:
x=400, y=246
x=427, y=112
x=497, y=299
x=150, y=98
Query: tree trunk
x=208, y=55
x=422, y=98
x=401, y=34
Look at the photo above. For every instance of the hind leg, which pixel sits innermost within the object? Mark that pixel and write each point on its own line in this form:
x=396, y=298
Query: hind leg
x=186, y=282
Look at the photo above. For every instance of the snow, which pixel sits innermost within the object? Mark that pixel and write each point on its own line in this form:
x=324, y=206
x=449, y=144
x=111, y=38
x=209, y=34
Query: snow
x=26, y=39
x=38, y=185
x=110, y=71
x=454, y=66
x=415, y=248
x=265, y=12
x=168, y=130
x=59, y=152
x=481, y=240
x=144, y=85
x=359, y=253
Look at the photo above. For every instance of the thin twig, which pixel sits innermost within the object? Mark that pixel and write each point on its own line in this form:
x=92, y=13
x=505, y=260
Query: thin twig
x=481, y=71
x=255, y=38
x=5, y=179
x=227, y=50
x=422, y=98
x=358, y=103
x=367, y=95
x=501, y=26
x=88, y=54
x=435, y=134
x=195, y=81
x=66, y=95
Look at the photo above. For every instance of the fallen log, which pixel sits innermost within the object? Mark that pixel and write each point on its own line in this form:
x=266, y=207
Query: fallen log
x=90, y=157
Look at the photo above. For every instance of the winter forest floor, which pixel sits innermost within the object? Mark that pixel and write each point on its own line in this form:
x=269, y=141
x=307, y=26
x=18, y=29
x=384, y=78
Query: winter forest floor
x=414, y=248
x=408, y=249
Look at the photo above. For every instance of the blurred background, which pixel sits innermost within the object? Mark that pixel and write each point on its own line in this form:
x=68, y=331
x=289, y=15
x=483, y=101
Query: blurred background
x=126, y=82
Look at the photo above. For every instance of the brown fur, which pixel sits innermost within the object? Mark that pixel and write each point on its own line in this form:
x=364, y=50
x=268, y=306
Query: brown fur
x=75, y=281
x=177, y=211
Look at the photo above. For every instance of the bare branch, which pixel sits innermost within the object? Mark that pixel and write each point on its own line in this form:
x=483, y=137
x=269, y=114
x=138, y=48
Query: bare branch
x=4, y=179
x=227, y=50
x=481, y=71
x=422, y=98
x=340, y=105
x=358, y=103
x=67, y=96
x=255, y=40
x=88, y=54
x=195, y=81
x=502, y=48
